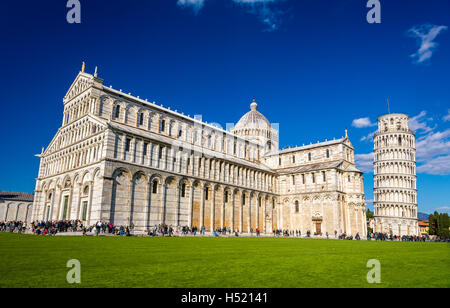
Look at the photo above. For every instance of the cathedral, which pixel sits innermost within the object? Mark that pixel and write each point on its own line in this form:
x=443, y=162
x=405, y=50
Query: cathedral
x=121, y=159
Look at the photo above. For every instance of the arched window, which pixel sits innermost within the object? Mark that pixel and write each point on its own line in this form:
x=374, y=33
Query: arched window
x=399, y=140
x=206, y=193
x=144, y=151
x=297, y=207
x=117, y=112
x=155, y=187
x=127, y=144
x=183, y=190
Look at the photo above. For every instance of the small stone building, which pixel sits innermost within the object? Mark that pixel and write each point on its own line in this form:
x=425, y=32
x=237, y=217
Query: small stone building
x=15, y=206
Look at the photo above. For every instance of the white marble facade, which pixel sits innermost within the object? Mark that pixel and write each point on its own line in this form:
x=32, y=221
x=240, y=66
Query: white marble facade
x=118, y=158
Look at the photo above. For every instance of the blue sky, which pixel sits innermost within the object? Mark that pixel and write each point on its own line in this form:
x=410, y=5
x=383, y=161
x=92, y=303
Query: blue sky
x=315, y=67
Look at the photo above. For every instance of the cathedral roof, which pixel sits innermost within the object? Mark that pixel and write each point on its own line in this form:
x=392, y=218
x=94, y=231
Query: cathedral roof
x=311, y=146
x=253, y=119
x=312, y=167
x=341, y=164
x=16, y=196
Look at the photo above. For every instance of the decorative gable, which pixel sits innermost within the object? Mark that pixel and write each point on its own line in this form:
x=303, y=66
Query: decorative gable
x=59, y=141
x=347, y=142
x=81, y=83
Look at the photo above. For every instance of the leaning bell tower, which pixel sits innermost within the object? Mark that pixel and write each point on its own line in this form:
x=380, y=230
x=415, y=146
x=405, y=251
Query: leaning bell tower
x=395, y=181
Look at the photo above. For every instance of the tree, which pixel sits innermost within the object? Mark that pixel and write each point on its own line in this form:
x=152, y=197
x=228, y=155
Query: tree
x=439, y=224
x=369, y=214
x=432, y=224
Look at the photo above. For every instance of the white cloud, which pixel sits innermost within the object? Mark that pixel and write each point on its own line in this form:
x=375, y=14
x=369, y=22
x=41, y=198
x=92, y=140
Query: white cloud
x=365, y=162
x=362, y=122
x=196, y=5
x=266, y=12
x=433, y=145
x=419, y=123
x=447, y=117
x=369, y=137
x=436, y=166
x=443, y=209
x=425, y=35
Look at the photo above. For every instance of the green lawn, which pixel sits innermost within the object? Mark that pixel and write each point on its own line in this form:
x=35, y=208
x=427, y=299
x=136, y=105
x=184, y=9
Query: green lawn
x=31, y=261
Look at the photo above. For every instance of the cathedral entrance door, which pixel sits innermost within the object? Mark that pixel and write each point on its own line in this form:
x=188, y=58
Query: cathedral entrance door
x=319, y=227
x=66, y=204
x=317, y=221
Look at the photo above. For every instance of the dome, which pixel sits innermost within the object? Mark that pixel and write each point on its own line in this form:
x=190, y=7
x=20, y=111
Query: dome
x=253, y=120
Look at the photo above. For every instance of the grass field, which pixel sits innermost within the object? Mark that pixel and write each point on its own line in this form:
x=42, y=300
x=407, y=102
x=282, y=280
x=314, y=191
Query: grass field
x=31, y=261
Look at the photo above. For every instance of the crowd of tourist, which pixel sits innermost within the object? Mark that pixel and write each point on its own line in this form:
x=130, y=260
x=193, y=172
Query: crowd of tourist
x=13, y=226
x=163, y=230
x=396, y=238
x=54, y=227
x=61, y=226
x=103, y=228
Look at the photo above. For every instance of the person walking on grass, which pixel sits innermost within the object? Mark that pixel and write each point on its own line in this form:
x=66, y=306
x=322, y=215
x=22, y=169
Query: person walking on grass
x=98, y=227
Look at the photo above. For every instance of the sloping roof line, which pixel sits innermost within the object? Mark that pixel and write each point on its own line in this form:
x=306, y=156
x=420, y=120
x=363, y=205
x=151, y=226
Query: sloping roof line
x=16, y=196
x=312, y=167
x=311, y=146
